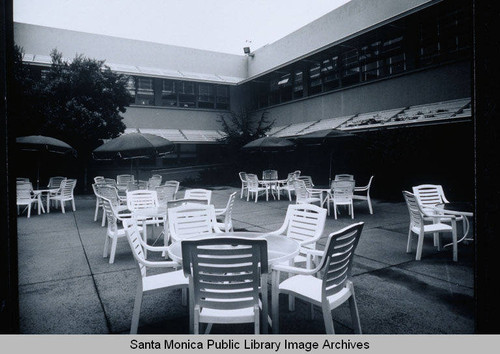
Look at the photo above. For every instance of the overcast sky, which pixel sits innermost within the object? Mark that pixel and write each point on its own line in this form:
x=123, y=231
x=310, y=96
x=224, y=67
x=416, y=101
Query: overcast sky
x=218, y=25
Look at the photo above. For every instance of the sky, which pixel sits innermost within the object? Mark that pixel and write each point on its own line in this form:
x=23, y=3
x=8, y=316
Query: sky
x=218, y=25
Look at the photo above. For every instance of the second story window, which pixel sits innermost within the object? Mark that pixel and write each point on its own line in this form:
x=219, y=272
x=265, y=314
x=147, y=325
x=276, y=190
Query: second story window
x=144, y=92
x=187, y=98
x=168, y=93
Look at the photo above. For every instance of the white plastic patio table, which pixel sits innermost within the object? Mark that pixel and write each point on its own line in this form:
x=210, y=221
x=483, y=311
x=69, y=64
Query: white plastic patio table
x=272, y=185
x=39, y=193
x=279, y=249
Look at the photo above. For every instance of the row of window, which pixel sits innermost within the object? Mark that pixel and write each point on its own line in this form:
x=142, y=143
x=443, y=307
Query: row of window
x=430, y=37
x=174, y=93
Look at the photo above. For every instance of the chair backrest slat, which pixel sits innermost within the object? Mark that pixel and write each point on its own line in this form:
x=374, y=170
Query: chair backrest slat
x=270, y=174
x=190, y=220
x=343, y=190
x=55, y=182
x=416, y=214
x=344, y=177
x=305, y=222
x=337, y=261
x=141, y=199
x=429, y=194
x=225, y=280
x=204, y=194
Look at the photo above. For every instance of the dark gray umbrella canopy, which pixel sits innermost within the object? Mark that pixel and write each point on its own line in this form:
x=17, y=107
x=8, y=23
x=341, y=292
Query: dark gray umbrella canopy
x=269, y=144
x=134, y=146
x=43, y=144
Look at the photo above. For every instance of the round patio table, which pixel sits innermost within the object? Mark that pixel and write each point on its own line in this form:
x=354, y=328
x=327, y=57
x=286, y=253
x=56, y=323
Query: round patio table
x=464, y=209
x=279, y=249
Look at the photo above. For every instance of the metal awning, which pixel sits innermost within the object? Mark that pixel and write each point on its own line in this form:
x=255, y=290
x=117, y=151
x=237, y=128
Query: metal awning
x=46, y=60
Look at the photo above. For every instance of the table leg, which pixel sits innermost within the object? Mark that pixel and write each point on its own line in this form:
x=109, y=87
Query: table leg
x=275, y=276
x=466, y=232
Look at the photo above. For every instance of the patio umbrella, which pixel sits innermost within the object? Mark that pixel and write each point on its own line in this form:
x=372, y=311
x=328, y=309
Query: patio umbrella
x=134, y=146
x=342, y=140
x=41, y=145
x=269, y=144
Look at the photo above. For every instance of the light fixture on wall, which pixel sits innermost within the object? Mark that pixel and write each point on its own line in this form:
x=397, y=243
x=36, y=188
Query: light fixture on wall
x=246, y=50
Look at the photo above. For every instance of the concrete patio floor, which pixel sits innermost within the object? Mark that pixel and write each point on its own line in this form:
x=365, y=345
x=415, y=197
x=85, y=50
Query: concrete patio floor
x=66, y=286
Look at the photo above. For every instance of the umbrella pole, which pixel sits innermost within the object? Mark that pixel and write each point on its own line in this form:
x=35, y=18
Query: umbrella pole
x=38, y=174
x=330, y=170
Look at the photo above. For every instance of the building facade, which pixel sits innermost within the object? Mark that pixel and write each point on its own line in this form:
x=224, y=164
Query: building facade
x=367, y=66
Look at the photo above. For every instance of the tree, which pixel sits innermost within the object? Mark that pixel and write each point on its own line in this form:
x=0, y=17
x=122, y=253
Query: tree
x=242, y=127
x=78, y=102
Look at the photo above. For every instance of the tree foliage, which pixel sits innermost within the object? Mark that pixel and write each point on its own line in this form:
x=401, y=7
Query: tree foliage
x=242, y=127
x=78, y=102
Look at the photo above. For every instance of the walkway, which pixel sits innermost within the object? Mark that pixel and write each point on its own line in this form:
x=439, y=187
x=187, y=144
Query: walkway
x=66, y=286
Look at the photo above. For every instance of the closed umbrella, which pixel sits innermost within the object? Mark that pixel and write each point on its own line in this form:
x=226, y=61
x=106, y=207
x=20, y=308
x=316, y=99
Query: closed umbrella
x=134, y=146
x=41, y=145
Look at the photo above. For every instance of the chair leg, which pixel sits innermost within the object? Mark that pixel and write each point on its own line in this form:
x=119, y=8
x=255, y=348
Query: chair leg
x=241, y=194
x=106, y=246
x=352, y=210
x=335, y=210
x=113, y=250
x=29, y=210
x=354, y=312
x=257, y=320
x=196, y=324
x=455, y=245
x=369, y=204
x=408, y=244
x=275, y=275
x=62, y=206
x=420, y=245
x=96, y=209
x=137, y=310
x=73, y=204
x=327, y=318
x=248, y=196
x=103, y=221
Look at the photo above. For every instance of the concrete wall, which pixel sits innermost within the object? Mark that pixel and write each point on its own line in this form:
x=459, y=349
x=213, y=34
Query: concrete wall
x=431, y=85
x=349, y=19
x=41, y=40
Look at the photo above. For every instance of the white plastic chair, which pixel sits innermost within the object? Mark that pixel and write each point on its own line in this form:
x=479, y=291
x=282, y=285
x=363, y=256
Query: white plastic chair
x=244, y=183
x=341, y=194
x=111, y=193
x=270, y=174
x=226, y=276
x=366, y=194
x=165, y=193
x=305, y=224
x=191, y=220
x=328, y=285
x=302, y=194
x=227, y=212
x=113, y=232
x=169, y=280
x=65, y=194
x=173, y=184
x=253, y=187
x=99, y=179
x=55, y=182
x=287, y=185
x=122, y=181
x=25, y=196
x=418, y=217
x=203, y=194
x=154, y=182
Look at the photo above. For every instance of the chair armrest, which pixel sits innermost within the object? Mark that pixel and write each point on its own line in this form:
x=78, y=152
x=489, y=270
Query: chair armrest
x=219, y=212
x=286, y=268
x=360, y=189
x=159, y=264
